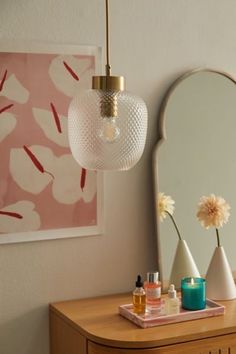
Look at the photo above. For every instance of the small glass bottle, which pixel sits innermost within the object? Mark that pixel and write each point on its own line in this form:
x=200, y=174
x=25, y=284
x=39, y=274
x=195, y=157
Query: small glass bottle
x=172, y=303
x=139, y=297
x=153, y=292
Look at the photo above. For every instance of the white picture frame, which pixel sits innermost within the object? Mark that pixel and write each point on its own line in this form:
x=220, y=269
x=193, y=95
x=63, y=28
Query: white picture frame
x=60, y=232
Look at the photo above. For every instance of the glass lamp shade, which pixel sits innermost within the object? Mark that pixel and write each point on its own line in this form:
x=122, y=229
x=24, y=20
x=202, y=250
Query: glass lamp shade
x=107, y=129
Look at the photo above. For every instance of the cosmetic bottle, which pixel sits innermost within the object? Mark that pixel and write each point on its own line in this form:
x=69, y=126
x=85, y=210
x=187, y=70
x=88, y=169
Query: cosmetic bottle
x=139, y=297
x=172, y=303
x=153, y=292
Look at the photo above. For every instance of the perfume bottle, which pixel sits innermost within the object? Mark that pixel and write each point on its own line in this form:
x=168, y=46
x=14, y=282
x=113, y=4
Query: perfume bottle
x=153, y=292
x=172, y=303
x=139, y=297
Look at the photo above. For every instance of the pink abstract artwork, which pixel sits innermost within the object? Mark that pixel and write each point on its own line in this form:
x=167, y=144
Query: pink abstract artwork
x=42, y=188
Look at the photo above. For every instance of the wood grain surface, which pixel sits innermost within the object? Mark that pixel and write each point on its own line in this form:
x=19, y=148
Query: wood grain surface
x=98, y=320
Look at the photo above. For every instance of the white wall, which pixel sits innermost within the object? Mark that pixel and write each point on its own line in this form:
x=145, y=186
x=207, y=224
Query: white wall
x=153, y=41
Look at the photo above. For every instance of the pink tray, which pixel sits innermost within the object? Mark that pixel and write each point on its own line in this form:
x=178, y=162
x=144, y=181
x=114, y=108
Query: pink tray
x=151, y=320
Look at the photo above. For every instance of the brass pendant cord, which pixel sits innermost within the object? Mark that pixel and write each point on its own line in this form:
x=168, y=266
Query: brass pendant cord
x=108, y=67
x=108, y=82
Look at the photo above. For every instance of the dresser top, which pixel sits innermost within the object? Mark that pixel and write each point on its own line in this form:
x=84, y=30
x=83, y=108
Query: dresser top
x=99, y=321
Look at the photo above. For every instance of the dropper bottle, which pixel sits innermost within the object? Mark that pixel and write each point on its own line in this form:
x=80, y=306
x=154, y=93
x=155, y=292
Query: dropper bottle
x=139, y=297
x=172, y=304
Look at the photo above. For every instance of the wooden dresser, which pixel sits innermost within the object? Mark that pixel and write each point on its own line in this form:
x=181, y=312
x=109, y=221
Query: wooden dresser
x=93, y=326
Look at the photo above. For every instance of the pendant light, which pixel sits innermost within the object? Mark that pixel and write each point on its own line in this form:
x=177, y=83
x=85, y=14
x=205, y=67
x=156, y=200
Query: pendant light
x=107, y=125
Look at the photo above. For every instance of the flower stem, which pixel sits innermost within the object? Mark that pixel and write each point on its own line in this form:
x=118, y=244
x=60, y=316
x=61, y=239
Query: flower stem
x=218, y=238
x=176, y=228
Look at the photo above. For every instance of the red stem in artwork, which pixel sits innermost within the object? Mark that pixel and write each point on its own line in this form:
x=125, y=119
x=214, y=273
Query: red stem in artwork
x=73, y=74
x=6, y=108
x=56, y=117
x=3, y=80
x=83, y=178
x=13, y=215
x=36, y=162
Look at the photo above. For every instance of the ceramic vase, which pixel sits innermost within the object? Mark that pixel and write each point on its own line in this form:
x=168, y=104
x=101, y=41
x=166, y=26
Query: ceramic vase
x=183, y=265
x=220, y=283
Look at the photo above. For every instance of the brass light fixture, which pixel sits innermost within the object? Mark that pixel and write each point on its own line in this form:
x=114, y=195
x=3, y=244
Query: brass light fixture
x=107, y=125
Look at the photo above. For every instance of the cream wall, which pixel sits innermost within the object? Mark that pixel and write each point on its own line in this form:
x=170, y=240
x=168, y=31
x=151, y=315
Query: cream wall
x=153, y=41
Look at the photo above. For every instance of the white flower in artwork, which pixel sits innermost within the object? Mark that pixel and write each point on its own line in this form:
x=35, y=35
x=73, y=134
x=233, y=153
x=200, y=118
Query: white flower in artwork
x=55, y=130
x=66, y=187
x=27, y=172
x=19, y=217
x=34, y=167
x=14, y=90
x=7, y=124
x=70, y=74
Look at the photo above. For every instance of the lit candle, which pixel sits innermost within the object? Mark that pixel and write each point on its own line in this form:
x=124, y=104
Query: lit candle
x=193, y=292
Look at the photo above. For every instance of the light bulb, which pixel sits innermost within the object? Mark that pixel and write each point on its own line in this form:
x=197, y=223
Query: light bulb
x=109, y=132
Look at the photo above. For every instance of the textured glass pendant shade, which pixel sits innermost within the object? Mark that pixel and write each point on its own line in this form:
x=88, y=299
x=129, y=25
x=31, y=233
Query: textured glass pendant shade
x=107, y=126
x=107, y=129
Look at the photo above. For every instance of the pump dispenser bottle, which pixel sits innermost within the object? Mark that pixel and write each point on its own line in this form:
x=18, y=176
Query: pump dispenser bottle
x=172, y=303
x=139, y=297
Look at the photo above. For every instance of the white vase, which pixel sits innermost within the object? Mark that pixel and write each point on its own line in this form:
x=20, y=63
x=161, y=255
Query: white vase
x=220, y=283
x=183, y=265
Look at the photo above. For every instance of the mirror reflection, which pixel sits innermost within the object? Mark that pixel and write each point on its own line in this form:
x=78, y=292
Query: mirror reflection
x=197, y=157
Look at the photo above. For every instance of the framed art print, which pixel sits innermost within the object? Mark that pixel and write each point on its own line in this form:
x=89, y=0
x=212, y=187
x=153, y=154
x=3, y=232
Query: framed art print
x=44, y=193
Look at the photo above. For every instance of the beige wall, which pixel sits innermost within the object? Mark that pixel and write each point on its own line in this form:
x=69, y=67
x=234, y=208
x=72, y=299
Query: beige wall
x=153, y=41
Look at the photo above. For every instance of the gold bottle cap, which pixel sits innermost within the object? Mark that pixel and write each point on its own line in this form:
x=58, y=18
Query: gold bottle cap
x=114, y=83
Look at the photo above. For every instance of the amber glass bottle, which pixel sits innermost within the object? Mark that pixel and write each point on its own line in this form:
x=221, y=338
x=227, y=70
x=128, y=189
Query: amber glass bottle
x=139, y=297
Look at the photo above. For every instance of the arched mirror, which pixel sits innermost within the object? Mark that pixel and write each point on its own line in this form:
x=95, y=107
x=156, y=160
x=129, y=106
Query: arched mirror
x=196, y=156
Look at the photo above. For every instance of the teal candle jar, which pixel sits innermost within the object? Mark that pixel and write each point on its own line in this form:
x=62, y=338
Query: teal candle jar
x=193, y=293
